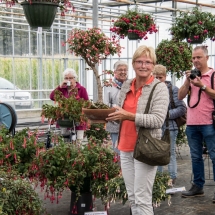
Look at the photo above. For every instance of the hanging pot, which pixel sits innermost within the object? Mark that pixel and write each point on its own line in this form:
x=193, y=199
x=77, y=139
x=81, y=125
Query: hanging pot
x=98, y=115
x=133, y=36
x=40, y=14
x=65, y=123
x=194, y=41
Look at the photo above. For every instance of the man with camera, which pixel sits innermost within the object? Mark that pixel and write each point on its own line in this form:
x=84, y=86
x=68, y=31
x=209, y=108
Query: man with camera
x=200, y=124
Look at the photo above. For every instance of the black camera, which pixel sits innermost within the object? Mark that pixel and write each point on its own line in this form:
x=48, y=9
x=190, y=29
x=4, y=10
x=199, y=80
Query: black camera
x=194, y=73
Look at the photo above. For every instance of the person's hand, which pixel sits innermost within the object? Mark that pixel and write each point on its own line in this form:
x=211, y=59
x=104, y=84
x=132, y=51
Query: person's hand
x=187, y=73
x=63, y=84
x=197, y=82
x=120, y=114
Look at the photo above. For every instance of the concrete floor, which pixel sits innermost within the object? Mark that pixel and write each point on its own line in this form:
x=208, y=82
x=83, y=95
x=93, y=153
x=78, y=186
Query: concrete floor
x=179, y=206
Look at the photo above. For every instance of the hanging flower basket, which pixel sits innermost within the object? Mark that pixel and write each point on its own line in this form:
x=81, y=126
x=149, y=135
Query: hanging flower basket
x=194, y=23
x=175, y=55
x=194, y=40
x=40, y=14
x=133, y=36
x=134, y=21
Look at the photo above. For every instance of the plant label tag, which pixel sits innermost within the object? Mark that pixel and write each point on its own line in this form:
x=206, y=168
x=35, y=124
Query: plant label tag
x=96, y=213
x=74, y=137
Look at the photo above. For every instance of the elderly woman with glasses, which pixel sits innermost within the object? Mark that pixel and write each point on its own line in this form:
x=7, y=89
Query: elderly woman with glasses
x=67, y=87
x=139, y=177
x=70, y=79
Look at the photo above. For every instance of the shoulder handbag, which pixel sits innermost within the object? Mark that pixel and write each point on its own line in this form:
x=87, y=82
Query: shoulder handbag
x=150, y=150
x=181, y=120
x=212, y=86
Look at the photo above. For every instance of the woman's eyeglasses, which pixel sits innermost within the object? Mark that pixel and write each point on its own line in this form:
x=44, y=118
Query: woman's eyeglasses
x=69, y=78
x=140, y=63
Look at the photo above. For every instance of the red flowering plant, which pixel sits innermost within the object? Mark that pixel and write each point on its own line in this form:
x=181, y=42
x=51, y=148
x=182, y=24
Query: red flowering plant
x=194, y=25
x=134, y=21
x=175, y=55
x=69, y=165
x=70, y=108
x=18, y=151
x=93, y=46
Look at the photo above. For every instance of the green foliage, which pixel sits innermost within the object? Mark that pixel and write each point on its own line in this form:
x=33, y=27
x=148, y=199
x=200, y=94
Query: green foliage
x=195, y=23
x=97, y=131
x=67, y=165
x=17, y=196
x=116, y=189
x=18, y=151
x=161, y=184
x=66, y=108
x=92, y=45
x=134, y=21
x=175, y=55
x=182, y=137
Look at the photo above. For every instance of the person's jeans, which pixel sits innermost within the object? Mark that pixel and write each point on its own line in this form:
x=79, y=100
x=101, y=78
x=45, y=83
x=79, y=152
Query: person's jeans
x=114, y=138
x=172, y=166
x=139, y=179
x=196, y=134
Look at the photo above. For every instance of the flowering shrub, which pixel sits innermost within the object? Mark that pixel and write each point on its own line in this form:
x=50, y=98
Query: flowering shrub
x=97, y=131
x=196, y=23
x=66, y=108
x=93, y=46
x=68, y=165
x=175, y=55
x=17, y=196
x=134, y=21
x=17, y=152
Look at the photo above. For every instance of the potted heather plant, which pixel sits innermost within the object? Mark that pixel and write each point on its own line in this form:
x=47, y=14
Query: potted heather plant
x=135, y=24
x=175, y=55
x=196, y=26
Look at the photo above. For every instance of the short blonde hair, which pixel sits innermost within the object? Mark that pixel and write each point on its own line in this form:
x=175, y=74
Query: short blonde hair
x=159, y=70
x=144, y=50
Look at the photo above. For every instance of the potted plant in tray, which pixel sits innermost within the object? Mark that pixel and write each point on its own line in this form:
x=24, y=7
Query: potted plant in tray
x=67, y=111
x=41, y=13
x=175, y=55
x=196, y=26
x=135, y=24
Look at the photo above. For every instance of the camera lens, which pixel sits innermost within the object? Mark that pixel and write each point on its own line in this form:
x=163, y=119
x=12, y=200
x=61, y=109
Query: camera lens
x=192, y=76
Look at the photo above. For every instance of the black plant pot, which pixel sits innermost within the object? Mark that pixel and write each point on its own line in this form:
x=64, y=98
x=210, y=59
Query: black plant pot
x=194, y=41
x=40, y=14
x=65, y=123
x=133, y=36
x=84, y=204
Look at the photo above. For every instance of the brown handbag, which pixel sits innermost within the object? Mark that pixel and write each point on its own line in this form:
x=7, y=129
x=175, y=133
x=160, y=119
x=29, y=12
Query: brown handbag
x=150, y=150
x=181, y=120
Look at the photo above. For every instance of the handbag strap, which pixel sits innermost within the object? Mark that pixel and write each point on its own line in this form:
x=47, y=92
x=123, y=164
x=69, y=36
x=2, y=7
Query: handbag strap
x=172, y=103
x=212, y=85
x=148, y=105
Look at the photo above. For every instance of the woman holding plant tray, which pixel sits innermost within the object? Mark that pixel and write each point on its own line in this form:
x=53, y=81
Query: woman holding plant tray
x=69, y=87
x=139, y=177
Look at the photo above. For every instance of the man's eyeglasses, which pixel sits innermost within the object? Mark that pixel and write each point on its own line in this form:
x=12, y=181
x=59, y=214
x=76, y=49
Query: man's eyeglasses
x=140, y=63
x=69, y=78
